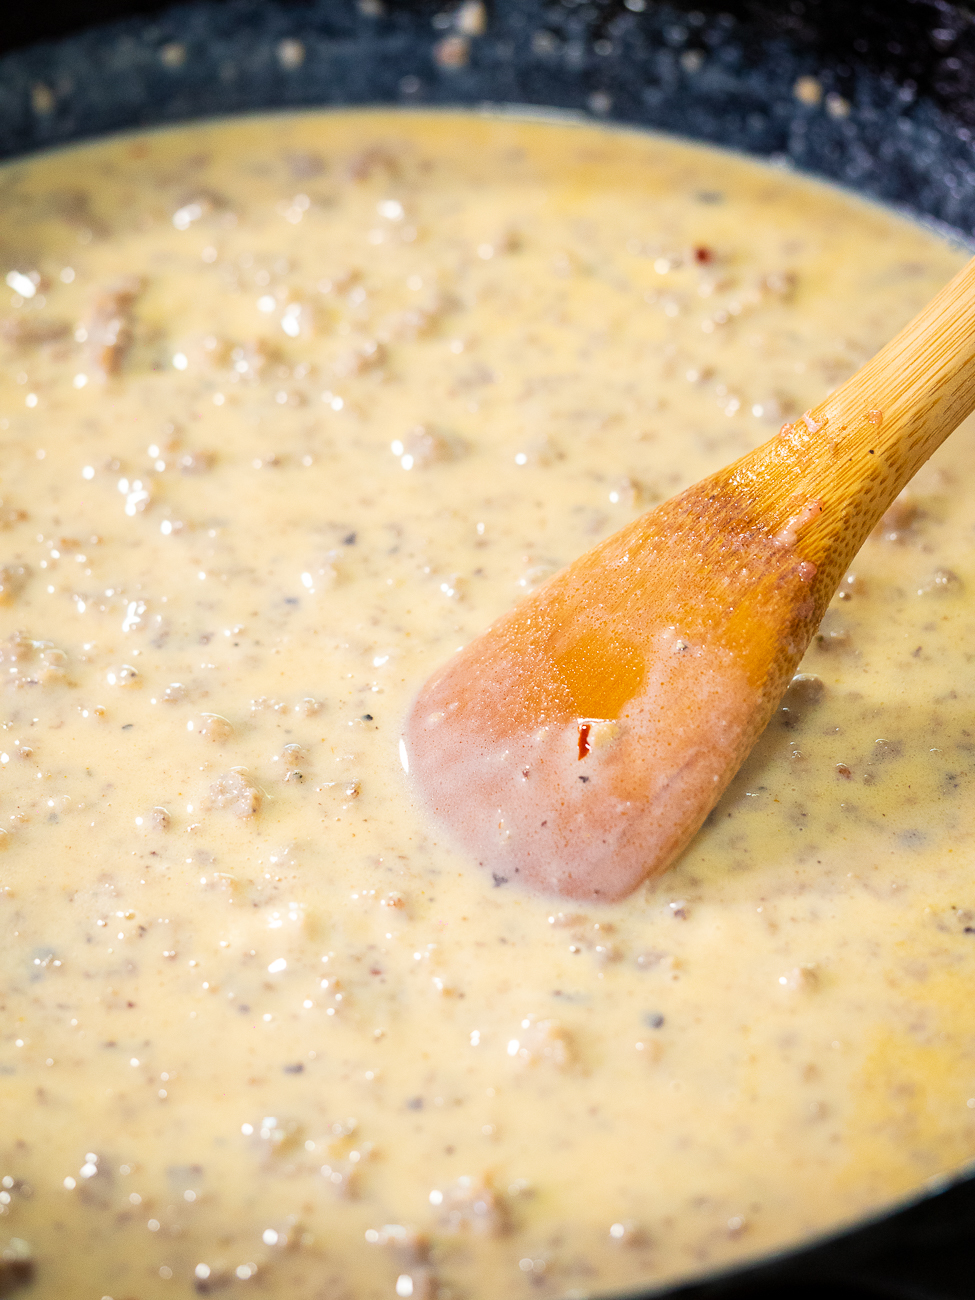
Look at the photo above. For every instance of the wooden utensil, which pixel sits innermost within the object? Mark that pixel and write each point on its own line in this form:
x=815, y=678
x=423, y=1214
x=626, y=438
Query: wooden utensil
x=577, y=745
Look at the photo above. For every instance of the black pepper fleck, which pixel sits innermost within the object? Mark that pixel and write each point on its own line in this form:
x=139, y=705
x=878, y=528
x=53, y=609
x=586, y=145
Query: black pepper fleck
x=15, y=1273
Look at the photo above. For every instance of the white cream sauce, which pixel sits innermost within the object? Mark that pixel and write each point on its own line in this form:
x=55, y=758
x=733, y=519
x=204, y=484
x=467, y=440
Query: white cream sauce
x=290, y=408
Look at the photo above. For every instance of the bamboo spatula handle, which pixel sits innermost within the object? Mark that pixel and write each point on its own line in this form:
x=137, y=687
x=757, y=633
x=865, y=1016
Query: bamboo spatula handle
x=857, y=449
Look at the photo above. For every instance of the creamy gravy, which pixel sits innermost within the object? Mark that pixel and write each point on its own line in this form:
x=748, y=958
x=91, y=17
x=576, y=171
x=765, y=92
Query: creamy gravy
x=290, y=408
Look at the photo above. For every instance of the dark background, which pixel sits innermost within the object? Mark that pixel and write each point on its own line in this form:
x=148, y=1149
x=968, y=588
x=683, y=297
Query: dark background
x=899, y=40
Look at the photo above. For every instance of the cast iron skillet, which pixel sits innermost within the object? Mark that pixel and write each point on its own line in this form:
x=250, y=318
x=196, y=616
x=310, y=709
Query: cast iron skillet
x=890, y=111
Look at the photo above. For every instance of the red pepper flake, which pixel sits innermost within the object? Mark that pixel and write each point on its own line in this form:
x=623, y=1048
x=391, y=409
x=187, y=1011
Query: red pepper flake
x=703, y=254
x=584, y=746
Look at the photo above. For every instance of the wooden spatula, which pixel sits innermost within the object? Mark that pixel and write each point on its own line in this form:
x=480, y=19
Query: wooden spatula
x=577, y=745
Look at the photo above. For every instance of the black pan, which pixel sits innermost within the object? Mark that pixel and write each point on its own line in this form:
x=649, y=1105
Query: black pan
x=893, y=117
